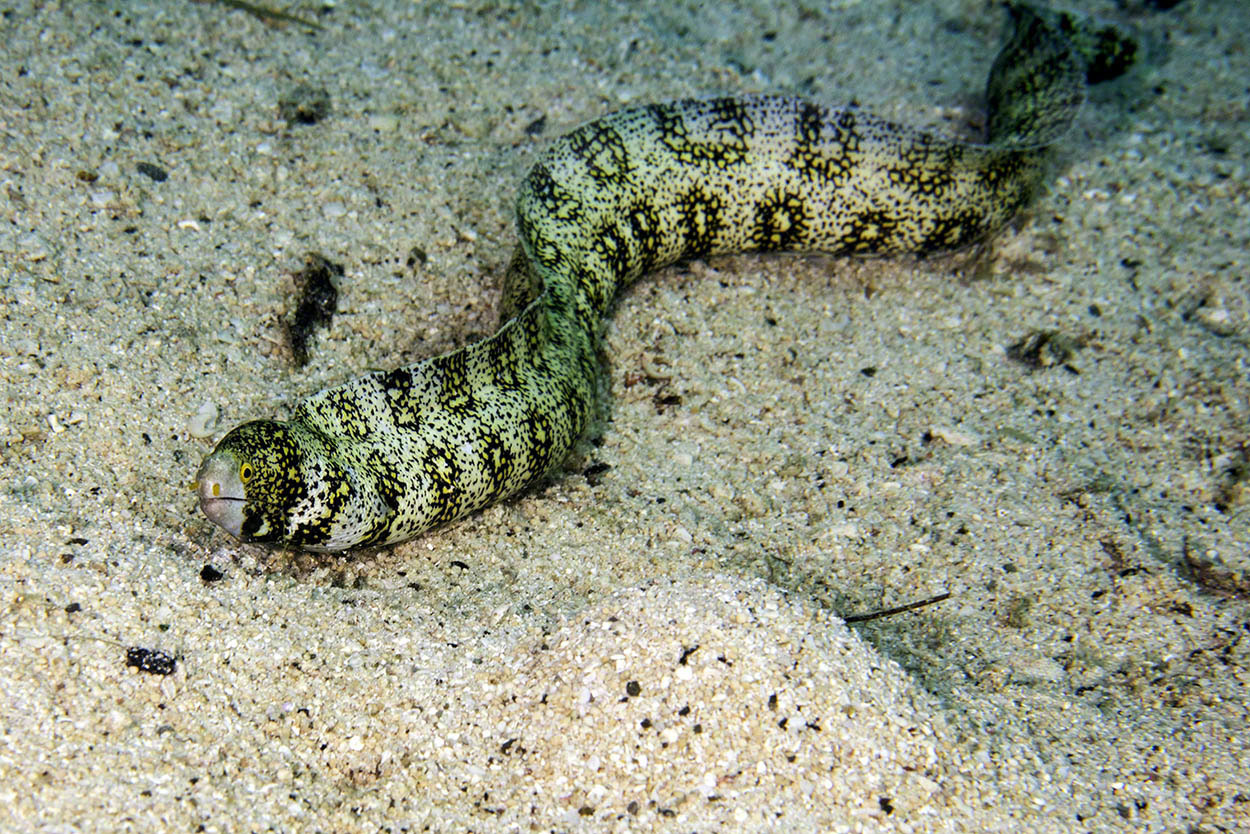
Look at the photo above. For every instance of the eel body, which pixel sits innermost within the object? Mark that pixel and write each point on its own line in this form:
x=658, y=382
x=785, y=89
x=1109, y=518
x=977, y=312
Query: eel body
x=394, y=453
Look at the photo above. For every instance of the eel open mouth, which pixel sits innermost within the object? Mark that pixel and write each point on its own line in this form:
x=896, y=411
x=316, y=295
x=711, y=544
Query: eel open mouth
x=221, y=492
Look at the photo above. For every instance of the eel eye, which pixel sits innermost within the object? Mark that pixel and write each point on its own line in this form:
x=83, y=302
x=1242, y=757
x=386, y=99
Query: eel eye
x=245, y=472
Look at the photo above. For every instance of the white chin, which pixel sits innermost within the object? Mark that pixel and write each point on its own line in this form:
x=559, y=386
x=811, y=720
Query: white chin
x=226, y=513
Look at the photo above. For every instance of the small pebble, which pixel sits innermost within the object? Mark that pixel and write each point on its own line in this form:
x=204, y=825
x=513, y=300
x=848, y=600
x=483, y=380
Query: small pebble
x=153, y=172
x=204, y=422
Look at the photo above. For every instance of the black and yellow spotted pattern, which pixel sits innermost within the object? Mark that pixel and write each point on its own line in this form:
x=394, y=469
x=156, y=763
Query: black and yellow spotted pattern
x=387, y=456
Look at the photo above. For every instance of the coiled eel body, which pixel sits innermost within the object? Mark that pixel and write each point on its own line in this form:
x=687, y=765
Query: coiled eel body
x=389, y=455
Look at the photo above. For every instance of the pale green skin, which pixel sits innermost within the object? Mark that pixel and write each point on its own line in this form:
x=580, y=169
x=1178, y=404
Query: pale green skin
x=389, y=455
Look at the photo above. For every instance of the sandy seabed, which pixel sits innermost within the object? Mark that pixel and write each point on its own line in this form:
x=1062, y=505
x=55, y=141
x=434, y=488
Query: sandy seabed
x=1053, y=430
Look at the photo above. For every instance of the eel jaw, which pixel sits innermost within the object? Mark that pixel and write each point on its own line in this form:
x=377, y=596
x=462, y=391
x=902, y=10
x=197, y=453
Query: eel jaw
x=222, y=495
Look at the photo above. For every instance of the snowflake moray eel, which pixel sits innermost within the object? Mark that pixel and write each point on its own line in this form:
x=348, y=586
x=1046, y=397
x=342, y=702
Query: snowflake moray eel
x=394, y=453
